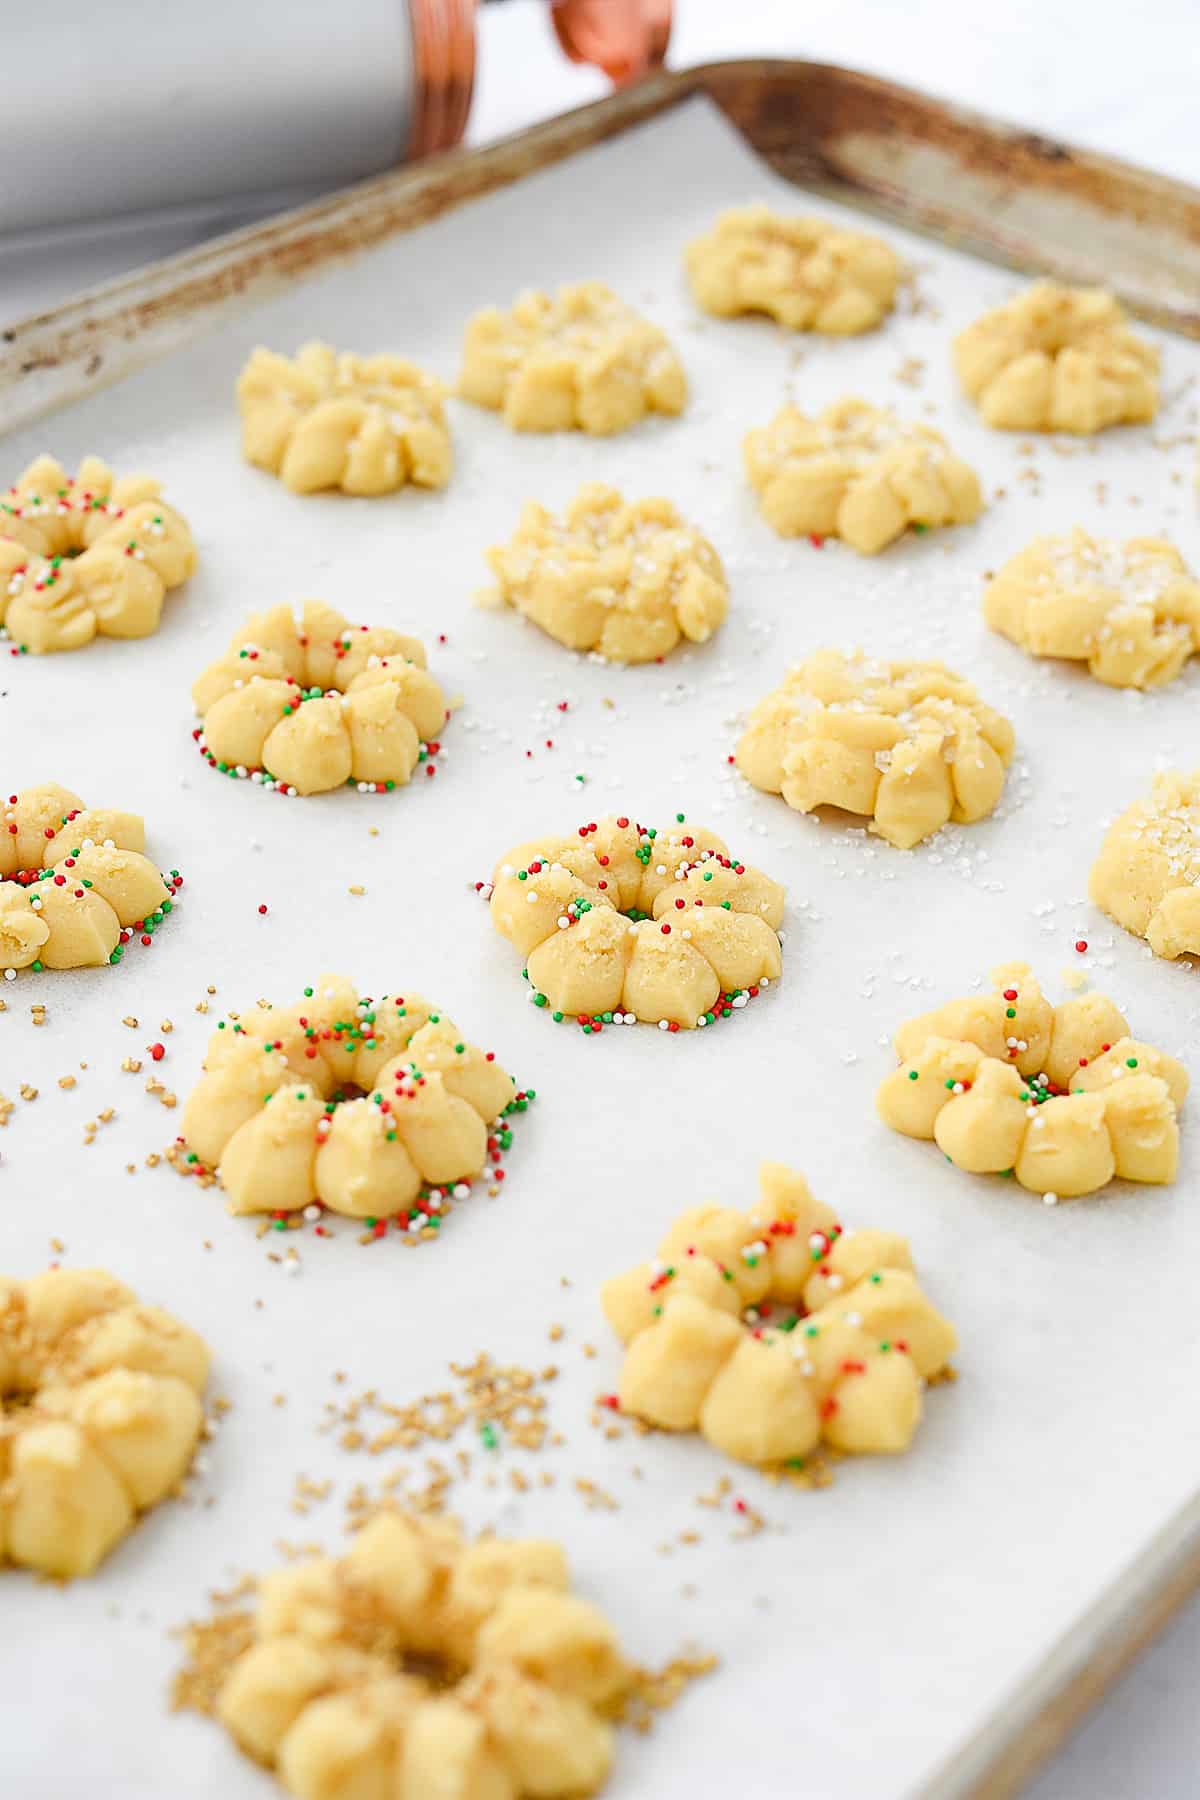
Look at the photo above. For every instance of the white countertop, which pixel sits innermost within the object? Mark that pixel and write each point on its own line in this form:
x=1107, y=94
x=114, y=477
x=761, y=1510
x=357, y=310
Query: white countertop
x=1115, y=80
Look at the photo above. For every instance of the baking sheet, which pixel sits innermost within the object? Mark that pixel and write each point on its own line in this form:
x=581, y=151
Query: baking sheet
x=873, y=1629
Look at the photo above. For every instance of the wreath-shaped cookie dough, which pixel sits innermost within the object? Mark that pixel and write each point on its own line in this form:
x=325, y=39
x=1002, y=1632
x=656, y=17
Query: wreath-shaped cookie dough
x=581, y=360
x=858, y=473
x=75, y=887
x=624, y=579
x=1058, y=359
x=369, y=1108
x=771, y=1331
x=1130, y=611
x=622, y=922
x=807, y=273
x=93, y=555
x=909, y=745
x=416, y=1665
x=1147, y=875
x=1061, y=1097
x=365, y=424
x=305, y=705
x=99, y=1415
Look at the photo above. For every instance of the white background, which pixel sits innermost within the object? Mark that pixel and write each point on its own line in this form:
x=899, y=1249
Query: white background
x=1091, y=74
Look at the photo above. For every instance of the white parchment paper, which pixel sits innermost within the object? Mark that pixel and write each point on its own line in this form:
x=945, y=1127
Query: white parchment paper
x=873, y=1628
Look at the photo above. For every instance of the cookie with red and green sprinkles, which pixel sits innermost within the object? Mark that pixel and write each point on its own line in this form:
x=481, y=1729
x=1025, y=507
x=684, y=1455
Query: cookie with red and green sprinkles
x=305, y=705
x=621, y=923
x=378, y=1110
x=772, y=1332
x=1060, y=1098
x=86, y=556
x=75, y=886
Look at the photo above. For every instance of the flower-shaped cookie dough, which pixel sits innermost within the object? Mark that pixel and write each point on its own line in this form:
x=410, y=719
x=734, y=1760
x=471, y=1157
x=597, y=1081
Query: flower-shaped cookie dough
x=415, y=1665
x=365, y=424
x=909, y=745
x=1130, y=611
x=581, y=360
x=74, y=884
x=1147, y=875
x=99, y=1415
x=1059, y=1096
x=771, y=1331
x=370, y=1108
x=305, y=705
x=619, y=923
x=858, y=473
x=1058, y=359
x=624, y=579
x=807, y=273
x=86, y=557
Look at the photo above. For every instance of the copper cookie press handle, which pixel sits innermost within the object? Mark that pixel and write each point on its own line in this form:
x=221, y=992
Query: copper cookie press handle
x=624, y=38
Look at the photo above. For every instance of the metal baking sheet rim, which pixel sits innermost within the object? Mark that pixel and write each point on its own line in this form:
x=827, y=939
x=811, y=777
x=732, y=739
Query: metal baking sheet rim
x=110, y=331
x=989, y=188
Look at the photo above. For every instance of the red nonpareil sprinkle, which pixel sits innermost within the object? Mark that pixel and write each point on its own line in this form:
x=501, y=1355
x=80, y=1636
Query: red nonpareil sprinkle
x=263, y=907
x=1010, y=993
x=1081, y=945
x=158, y=1051
x=612, y=1401
x=816, y=540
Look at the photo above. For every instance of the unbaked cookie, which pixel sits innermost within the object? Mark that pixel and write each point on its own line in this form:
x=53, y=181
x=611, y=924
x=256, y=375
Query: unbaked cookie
x=858, y=473
x=1130, y=611
x=581, y=360
x=305, y=705
x=1058, y=359
x=75, y=887
x=909, y=745
x=1061, y=1097
x=86, y=556
x=624, y=579
x=369, y=1108
x=805, y=272
x=621, y=922
x=99, y=1415
x=324, y=419
x=1147, y=875
x=415, y=1666
x=772, y=1331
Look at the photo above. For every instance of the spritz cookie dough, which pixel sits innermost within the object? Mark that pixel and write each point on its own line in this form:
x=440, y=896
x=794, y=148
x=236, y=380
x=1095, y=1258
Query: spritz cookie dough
x=306, y=704
x=328, y=419
x=771, y=1331
x=1147, y=875
x=368, y=1108
x=581, y=360
x=1059, y=1096
x=859, y=473
x=807, y=273
x=1130, y=611
x=85, y=556
x=75, y=886
x=99, y=1415
x=417, y=1666
x=625, y=579
x=1058, y=359
x=621, y=922
x=908, y=745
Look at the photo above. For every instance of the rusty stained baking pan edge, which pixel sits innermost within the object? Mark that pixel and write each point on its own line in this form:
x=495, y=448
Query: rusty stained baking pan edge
x=994, y=190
